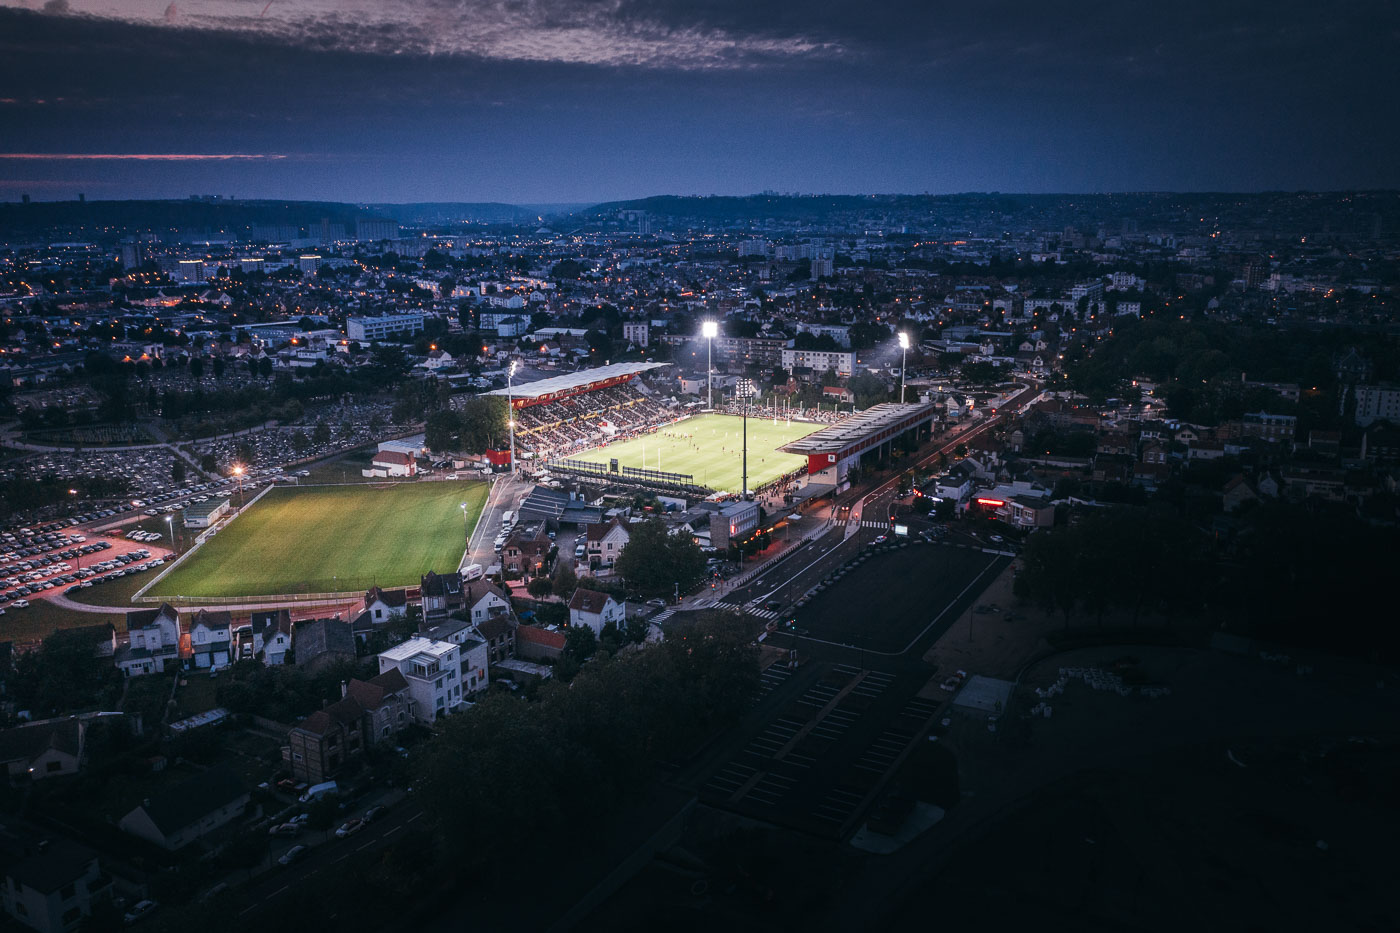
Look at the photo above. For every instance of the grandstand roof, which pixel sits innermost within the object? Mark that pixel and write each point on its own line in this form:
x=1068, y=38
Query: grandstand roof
x=858, y=427
x=572, y=382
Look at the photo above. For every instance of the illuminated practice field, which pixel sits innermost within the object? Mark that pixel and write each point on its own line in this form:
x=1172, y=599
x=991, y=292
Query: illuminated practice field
x=709, y=448
x=328, y=539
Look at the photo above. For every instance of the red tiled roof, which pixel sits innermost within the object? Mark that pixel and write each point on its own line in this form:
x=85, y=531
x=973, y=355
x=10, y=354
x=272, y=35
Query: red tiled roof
x=533, y=635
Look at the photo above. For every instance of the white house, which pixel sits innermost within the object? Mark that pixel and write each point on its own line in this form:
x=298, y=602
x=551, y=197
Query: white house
x=154, y=641
x=472, y=649
x=211, y=640
x=189, y=810
x=433, y=671
x=272, y=635
x=436, y=360
x=484, y=602
x=595, y=610
x=606, y=541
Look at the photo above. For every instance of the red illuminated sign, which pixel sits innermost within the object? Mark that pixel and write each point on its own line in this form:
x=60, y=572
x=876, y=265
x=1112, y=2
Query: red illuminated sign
x=994, y=503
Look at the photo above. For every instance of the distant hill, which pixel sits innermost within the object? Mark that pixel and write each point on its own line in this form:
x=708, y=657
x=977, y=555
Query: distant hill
x=99, y=219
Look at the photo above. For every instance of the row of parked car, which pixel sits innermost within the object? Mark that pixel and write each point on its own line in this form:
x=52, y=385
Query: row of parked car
x=37, y=572
x=116, y=568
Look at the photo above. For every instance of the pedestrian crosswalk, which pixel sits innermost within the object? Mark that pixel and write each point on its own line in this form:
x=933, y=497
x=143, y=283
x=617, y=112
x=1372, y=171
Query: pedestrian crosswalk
x=754, y=611
x=662, y=616
x=878, y=526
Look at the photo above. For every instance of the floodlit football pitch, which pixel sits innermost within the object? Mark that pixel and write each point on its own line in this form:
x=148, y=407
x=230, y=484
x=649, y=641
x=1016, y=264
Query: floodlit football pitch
x=332, y=539
x=709, y=448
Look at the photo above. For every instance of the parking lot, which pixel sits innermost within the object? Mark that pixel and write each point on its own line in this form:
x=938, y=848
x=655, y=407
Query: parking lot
x=869, y=603
x=38, y=562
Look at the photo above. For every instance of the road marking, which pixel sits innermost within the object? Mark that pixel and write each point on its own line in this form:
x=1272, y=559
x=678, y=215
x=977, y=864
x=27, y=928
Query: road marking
x=394, y=830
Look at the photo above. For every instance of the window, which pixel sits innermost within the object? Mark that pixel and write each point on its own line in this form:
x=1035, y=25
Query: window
x=67, y=891
x=53, y=766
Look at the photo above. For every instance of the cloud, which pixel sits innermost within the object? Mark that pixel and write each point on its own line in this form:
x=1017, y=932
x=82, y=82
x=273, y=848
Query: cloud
x=140, y=157
x=601, y=32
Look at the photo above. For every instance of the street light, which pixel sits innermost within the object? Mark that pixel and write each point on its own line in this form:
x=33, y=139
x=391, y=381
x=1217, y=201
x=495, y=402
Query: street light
x=238, y=472
x=710, y=330
x=170, y=528
x=464, y=522
x=903, y=357
x=744, y=389
x=510, y=413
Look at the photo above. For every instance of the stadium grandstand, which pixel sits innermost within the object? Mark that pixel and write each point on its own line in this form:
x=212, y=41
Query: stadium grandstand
x=833, y=452
x=560, y=415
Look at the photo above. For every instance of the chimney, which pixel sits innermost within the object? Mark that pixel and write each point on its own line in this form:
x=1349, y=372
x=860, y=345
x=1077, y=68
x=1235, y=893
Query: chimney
x=344, y=688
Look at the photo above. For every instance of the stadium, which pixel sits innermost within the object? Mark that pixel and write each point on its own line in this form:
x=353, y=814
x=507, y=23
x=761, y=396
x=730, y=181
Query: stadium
x=606, y=423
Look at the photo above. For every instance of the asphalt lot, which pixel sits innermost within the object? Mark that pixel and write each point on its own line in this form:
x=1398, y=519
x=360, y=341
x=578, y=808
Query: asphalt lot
x=890, y=595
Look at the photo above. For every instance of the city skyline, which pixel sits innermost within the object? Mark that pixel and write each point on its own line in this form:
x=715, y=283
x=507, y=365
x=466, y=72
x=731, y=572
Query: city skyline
x=561, y=102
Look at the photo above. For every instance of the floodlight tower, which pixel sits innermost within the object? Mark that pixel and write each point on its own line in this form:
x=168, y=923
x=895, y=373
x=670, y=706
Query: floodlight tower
x=710, y=330
x=903, y=361
x=744, y=390
x=510, y=413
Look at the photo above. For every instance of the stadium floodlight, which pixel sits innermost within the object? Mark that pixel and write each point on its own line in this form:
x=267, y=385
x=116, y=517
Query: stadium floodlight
x=710, y=330
x=744, y=389
x=903, y=360
x=510, y=413
x=238, y=472
x=170, y=527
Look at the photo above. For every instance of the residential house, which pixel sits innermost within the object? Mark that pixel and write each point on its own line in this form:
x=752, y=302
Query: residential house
x=211, y=640
x=45, y=749
x=472, y=651
x=272, y=636
x=189, y=811
x=484, y=601
x=442, y=595
x=605, y=542
x=153, y=641
x=539, y=644
x=380, y=608
x=1237, y=493
x=327, y=741
x=432, y=670
x=527, y=549
x=333, y=739
x=595, y=610
x=320, y=643
x=499, y=634
x=50, y=884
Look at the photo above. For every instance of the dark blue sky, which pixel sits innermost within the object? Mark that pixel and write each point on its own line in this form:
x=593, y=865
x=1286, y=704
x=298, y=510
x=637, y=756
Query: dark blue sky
x=548, y=100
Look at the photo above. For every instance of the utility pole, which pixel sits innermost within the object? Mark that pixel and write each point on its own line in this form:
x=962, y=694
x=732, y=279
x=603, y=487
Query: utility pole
x=510, y=414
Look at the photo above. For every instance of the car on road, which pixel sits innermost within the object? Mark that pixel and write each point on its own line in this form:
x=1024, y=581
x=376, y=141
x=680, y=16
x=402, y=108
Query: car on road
x=374, y=813
x=881, y=539
x=292, y=855
x=658, y=603
x=138, y=911
x=21, y=604
x=285, y=829
x=349, y=828
x=995, y=539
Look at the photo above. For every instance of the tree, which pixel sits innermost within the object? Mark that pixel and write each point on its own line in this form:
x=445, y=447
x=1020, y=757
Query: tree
x=265, y=367
x=177, y=470
x=196, y=366
x=321, y=434
x=301, y=443
x=442, y=429
x=208, y=463
x=219, y=367
x=580, y=643
x=654, y=561
x=483, y=424
x=540, y=587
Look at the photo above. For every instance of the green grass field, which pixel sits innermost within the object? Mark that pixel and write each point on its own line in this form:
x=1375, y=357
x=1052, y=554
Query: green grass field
x=708, y=447
x=328, y=539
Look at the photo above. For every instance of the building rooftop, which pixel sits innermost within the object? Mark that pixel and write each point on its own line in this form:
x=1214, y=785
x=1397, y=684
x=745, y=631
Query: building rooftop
x=416, y=646
x=857, y=428
x=570, y=382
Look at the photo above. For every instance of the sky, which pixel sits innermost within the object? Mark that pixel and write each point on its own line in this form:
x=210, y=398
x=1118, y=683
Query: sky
x=545, y=101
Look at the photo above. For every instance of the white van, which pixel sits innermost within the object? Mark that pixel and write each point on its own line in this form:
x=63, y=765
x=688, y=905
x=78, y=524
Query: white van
x=473, y=572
